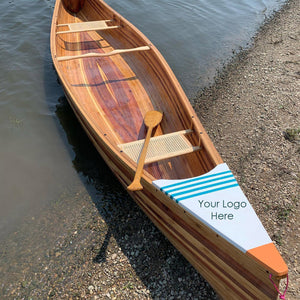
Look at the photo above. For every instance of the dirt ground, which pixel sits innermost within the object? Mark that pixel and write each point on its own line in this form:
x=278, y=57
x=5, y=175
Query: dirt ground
x=99, y=245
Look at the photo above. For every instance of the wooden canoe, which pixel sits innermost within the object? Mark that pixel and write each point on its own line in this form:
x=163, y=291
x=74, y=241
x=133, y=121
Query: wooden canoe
x=113, y=76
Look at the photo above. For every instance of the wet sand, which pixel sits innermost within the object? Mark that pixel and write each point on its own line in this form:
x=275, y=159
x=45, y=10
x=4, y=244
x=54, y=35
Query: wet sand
x=99, y=245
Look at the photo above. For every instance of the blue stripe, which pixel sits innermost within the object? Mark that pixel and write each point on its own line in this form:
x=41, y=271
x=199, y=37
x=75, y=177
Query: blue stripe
x=207, y=192
x=197, y=183
x=195, y=179
x=201, y=188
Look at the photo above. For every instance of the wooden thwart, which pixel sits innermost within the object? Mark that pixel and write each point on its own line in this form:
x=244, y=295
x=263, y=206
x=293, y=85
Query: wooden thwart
x=161, y=147
x=114, y=52
x=86, y=26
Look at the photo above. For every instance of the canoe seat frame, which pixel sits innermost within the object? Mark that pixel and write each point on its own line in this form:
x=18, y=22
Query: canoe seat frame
x=161, y=147
x=86, y=26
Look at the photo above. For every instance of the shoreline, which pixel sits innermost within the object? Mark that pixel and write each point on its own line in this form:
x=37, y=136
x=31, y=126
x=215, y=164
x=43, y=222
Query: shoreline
x=92, y=246
x=255, y=100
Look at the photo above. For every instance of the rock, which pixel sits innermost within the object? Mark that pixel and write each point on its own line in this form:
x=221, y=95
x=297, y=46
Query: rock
x=91, y=289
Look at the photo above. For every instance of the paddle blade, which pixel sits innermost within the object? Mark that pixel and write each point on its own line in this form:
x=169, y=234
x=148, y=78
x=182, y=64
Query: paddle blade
x=153, y=118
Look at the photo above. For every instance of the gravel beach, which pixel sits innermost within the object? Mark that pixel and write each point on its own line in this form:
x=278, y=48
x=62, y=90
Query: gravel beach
x=94, y=244
x=252, y=114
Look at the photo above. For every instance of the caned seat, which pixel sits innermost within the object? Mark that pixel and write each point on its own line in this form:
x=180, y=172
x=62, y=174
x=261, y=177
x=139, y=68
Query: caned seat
x=161, y=147
x=86, y=26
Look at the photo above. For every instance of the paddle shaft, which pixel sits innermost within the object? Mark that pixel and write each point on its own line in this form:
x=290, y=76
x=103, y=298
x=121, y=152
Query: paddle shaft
x=151, y=120
x=136, y=185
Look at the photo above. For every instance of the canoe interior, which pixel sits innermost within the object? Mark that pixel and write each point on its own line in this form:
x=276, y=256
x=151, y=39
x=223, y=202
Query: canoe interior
x=116, y=94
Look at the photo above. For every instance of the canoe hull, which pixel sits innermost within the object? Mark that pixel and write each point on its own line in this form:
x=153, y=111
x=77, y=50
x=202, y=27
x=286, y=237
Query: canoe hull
x=234, y=276
x=231, y=272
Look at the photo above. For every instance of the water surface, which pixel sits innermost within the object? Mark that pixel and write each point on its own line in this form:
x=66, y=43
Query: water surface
x=35, y=164
x=197, y=36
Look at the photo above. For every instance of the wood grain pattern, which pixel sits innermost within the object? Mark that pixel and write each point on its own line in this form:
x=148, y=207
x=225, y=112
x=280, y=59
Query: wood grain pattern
x=110, y=96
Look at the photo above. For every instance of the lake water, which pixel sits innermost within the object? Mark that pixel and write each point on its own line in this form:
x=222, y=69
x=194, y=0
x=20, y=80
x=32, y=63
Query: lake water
x=39, y=141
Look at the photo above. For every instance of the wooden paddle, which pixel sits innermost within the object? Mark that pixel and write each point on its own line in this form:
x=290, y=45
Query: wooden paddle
x=151, y=120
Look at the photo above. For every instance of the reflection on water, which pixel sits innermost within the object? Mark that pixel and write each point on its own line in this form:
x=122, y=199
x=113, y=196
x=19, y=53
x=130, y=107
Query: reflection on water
x=195, y=37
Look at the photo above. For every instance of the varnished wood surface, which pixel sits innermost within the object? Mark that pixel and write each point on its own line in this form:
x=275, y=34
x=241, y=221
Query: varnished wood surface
x=110, y=96
x=151, y=120
x=130, y=85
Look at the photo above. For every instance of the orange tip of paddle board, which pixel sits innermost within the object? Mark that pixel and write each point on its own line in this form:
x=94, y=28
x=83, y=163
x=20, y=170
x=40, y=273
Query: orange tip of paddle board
x=270, y=258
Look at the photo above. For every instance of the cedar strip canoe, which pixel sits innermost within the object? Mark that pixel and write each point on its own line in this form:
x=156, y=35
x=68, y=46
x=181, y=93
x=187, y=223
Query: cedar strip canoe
x=113, y=76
